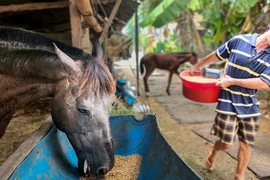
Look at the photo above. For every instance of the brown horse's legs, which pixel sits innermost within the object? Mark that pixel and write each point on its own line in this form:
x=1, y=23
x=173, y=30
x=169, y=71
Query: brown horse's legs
x=145, y=78
x=170, y=80
x=169, y=83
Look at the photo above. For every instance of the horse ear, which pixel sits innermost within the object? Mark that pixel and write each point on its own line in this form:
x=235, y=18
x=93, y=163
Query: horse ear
x=71, y=66
x=97, y=50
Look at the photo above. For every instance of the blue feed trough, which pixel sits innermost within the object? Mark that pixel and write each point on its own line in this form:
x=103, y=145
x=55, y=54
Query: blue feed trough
x=51, y=156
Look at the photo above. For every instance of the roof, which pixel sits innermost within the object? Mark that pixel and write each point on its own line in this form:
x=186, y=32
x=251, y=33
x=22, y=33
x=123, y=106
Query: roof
x=54, y=20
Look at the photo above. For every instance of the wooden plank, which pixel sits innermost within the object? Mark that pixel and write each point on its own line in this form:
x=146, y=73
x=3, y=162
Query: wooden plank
x=76, y=27
x=9, y=166
x=80, y=35
x=33, y=6
x=86, y=44
x=107, y=25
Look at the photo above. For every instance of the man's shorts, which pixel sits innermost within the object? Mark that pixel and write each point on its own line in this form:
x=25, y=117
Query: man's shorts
x=226, y=127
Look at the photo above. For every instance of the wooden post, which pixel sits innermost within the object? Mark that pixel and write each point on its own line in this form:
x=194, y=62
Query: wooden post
x=75, y=23
x=80, y=37
x=86, y=44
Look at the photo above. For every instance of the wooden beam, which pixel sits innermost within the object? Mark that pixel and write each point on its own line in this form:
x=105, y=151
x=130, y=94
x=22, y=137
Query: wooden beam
x=79, y=35
x=33, y=6
x=75, y=23
x=107, y=25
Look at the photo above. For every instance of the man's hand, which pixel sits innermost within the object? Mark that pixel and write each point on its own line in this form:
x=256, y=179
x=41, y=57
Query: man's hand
x=193, y=69
x=224, y=82
x=207, y=60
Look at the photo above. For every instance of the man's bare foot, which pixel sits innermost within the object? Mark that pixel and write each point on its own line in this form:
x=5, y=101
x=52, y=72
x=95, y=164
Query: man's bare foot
x=209, y=162
x=238, y=177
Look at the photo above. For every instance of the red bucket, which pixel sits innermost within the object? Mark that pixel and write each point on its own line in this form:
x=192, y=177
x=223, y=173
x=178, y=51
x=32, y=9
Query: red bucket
x=199, y=92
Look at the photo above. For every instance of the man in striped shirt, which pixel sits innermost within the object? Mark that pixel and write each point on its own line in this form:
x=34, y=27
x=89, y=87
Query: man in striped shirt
x=247, y=69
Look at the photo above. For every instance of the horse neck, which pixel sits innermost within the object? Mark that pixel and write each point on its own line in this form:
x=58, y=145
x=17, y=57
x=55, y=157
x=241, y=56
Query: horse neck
x=26, y=76
x=17, y=92
x=183, y=58
x=30, y=64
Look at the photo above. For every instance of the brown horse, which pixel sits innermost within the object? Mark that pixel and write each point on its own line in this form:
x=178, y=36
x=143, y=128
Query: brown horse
x=166, y=61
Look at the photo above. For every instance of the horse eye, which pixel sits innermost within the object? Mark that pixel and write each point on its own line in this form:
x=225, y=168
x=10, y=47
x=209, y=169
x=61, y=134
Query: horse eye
x=83, y=111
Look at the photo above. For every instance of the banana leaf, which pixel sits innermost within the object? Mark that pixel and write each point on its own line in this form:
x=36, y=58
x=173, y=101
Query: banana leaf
x=165, y=12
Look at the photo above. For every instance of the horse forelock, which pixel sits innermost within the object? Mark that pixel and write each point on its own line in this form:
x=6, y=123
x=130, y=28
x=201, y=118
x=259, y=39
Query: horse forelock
x=97, y=77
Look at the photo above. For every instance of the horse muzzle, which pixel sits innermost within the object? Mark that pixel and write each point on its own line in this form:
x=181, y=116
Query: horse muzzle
x=89, y=169
x=95, y=158
x=96, y=166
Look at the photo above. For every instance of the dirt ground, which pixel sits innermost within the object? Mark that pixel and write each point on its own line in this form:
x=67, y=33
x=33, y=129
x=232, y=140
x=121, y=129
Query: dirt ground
x=24, y=122
x=192, y=148
x=176, y=120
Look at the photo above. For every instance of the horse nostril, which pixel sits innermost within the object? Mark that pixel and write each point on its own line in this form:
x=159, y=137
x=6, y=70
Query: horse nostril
x=102, y=171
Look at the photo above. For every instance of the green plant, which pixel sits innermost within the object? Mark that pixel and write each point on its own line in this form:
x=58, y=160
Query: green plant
x=122, y=111
x=171, y=44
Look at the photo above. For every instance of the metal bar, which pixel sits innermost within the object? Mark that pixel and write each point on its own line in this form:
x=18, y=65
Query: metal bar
x=137, y=47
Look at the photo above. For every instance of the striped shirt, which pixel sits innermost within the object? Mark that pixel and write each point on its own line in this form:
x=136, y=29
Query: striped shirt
x=242, y=62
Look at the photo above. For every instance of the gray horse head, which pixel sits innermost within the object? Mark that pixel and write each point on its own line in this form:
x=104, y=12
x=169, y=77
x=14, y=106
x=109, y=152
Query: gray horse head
x=81, y=106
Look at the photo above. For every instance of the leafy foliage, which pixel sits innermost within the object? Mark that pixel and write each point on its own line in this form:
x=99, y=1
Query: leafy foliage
x=171, y=44
x=224, y=19
x=165, y=12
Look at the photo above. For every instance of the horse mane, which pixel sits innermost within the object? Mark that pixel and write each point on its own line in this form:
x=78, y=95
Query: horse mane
x=185, y=53
x=17, y=38
x=193, y=53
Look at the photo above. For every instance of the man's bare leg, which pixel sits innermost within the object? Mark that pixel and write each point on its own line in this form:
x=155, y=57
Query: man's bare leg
x=244, y=154
x=212, y=156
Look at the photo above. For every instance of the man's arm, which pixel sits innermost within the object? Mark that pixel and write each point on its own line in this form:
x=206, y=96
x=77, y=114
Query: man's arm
x=207, y=60
x=250, y=83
